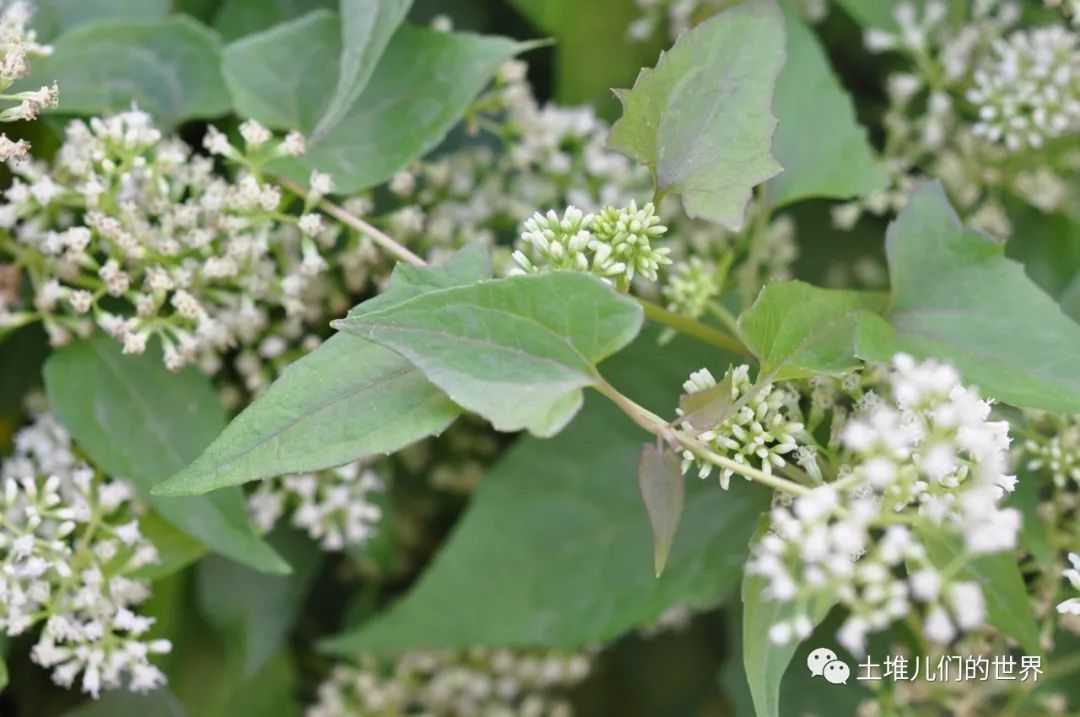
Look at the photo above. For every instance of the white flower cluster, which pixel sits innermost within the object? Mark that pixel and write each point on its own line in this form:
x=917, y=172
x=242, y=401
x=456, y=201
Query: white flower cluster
x=479, y=681
x=69, y=543
x=691, y=285
x=1057, y=453
x=921, y=465
x=1029, y=92
x=334, y=507
x=125, y=217
x=17, y=46
x=614, y=244
x=547, y=156
x=761, y=429
x=973, y=96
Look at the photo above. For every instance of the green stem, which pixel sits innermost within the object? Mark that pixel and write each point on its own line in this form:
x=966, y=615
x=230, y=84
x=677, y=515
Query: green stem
x=690, y=327
x=748, y=280
x=721, y=312
x=385, y=241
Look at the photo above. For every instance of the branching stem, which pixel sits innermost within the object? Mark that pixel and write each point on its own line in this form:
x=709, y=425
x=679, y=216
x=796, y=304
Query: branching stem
x=691, y=327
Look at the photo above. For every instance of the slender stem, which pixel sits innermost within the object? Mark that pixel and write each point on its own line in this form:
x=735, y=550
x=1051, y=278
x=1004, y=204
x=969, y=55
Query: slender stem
x=349, y=219
x=659, y=427
x=748, y=284
x=690, y=327
x=721, y=312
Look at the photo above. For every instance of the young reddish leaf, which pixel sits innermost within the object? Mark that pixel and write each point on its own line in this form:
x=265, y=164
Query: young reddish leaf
x=663, y=493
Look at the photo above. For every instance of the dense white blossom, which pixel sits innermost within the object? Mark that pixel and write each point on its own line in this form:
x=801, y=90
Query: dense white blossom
x=69, y=544
x=479, y=681
x=691, y=285
x=615, y=243
x=973, y=94
x=920, y=461
x=334, y=507
x=761, y=429
x=17, y=46
x=1056, y=452
x=204, y=263
x=1029, y=92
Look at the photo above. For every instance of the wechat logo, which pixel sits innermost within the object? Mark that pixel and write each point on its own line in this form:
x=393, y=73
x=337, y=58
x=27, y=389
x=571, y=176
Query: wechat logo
x=823, y=663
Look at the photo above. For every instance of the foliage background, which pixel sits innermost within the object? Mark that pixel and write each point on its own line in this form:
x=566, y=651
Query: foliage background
x=246, y=641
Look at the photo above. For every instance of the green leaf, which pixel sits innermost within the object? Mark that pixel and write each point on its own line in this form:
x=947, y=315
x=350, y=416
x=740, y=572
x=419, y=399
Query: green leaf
x=3, y=674
x=957, y=298
x=394, y=120
x=237, y=18
x=366, y=28
x=518, y=351
x=705, y=409
x=256, y=611
x=348, y=399
x=823, y=150
x=170, y=68
x=798, y=330
x=766, y=662
x=22, y=355
x=552, y=550
x=1009, y=608
x=139, y=422
x=702, y=118
x=279, y=77
x=660, y=481
x=55, y=17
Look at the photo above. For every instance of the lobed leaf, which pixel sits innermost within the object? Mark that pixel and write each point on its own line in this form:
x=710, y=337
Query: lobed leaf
x=551, y=550
x=798, y=330
x=348, y=399
x=957, y=298
x=168, y=67
x=517, y=351
x=141, y=423
x=819, y=143
x=702, y=117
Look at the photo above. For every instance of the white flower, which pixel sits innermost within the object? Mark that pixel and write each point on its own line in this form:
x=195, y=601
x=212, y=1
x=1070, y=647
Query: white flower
x=254, y=134
x=759, y=433
x=58, y=516
x=920, y=456
x=310, y=224
x=335, y=507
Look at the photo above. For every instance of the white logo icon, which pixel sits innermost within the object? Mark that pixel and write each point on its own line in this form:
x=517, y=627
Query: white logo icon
x=823, y=663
